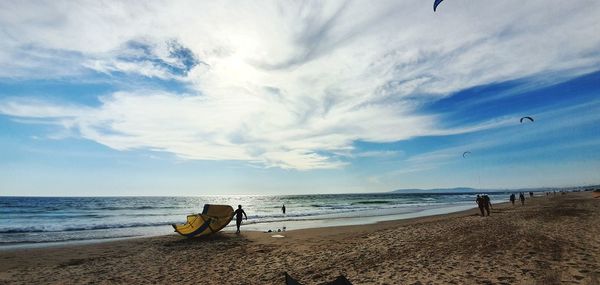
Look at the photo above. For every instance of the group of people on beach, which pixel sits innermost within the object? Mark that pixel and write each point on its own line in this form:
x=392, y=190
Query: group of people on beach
x=521, y=197
x=484, y=203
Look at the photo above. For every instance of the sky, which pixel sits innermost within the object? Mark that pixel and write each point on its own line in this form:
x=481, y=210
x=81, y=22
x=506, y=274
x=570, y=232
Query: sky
x=293, y=97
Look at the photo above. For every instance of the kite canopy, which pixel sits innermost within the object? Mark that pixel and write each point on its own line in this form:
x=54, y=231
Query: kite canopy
x=213, y=219
x=466, y=153
x=436, y=3
x=526, y=118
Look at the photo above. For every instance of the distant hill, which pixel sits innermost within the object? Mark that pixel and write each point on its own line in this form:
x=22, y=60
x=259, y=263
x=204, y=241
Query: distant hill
x=474, y=190
x=443, y=190
x=458, y=190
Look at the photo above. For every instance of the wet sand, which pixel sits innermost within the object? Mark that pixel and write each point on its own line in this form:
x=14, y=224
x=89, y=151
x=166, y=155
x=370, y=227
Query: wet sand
x=550, y=240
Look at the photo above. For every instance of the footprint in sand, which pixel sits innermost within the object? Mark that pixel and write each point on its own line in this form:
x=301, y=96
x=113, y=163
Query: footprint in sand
x=509, y=279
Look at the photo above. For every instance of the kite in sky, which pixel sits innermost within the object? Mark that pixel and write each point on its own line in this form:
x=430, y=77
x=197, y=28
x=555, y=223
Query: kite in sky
x=526, y=118
x=436, y=3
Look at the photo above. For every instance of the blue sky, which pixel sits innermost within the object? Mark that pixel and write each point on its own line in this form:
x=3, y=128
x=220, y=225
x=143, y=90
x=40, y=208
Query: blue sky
x=199, y=98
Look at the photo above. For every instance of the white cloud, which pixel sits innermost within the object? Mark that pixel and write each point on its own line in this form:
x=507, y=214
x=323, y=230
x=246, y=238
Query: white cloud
x=385, y=153
x=255, y=129
x=284, y=84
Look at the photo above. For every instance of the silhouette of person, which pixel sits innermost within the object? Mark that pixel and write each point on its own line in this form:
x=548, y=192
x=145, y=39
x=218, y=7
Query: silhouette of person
x=512, y=198
x=238, y=217
x=283, y=209
x=481, y=203
x=487, y=204
x=522, y=198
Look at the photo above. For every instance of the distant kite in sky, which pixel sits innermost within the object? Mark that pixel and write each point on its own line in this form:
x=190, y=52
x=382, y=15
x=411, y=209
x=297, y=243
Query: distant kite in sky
x=466, y=153
x=526, y=118
x=436, y=3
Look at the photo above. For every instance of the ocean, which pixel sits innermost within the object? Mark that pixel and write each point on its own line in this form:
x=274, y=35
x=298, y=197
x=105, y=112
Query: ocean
x=41, y=221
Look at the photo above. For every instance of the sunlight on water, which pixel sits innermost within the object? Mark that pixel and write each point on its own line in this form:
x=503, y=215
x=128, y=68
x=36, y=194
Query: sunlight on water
x=29, y=220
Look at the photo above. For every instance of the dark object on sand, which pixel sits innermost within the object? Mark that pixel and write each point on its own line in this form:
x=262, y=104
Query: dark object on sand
x=290, y=281
x=340, y=280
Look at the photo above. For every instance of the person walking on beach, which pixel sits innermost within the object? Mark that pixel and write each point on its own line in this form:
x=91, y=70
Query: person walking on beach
x=283, y=209
x=512, y=198
x=522, y=198
x=238, y=217
x=481, y=203
x=531, y=194
x=487, y=203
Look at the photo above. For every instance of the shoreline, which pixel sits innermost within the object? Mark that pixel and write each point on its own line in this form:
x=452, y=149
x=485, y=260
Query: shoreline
x=323, y=221
x=518, y=243
x=298, y=225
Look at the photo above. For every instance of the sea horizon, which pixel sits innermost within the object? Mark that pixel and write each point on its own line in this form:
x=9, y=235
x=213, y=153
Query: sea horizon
x=401, y=190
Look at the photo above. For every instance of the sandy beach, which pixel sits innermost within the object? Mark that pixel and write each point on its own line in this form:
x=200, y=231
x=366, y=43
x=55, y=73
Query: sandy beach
x=550, y=240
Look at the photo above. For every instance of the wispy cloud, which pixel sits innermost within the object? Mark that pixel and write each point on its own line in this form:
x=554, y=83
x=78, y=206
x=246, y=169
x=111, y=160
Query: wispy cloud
x=379, y=154
x=550, y=126
x=284, y=84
